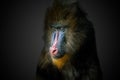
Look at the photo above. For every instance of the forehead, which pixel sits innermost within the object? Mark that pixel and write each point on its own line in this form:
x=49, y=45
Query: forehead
x=59, y=23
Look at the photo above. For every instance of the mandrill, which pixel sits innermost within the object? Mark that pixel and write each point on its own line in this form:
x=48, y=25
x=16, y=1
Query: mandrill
x=69, y=52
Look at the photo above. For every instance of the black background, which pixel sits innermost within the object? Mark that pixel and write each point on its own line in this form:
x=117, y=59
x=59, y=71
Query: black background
x=21, y=29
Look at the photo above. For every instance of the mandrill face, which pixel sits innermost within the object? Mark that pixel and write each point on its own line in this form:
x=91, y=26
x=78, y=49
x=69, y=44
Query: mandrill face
x=63, y=35
x=57, y=48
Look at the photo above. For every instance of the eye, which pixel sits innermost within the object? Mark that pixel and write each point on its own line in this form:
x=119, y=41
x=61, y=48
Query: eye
x=61, y=28
x=56, y=27
x=53, y=29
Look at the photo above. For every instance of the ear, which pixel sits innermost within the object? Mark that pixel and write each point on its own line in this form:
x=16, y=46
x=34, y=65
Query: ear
x=65, y=2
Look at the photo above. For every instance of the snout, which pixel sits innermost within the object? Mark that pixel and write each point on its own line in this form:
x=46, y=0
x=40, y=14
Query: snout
x=53, y=51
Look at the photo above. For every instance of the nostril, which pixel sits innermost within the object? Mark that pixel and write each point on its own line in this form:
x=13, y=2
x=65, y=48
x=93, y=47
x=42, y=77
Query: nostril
x=54, y=51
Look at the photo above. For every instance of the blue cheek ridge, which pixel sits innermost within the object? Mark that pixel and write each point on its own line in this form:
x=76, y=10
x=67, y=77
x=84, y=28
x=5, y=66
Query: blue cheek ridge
x=61, y=42
x=53, y=38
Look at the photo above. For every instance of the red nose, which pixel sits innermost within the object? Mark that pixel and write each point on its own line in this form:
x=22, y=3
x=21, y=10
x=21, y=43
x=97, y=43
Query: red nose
x=53, y=51
x=53, y=48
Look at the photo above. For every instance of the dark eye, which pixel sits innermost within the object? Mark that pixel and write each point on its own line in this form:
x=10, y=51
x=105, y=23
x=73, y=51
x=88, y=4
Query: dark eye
x=61, y=28
x=57, y=27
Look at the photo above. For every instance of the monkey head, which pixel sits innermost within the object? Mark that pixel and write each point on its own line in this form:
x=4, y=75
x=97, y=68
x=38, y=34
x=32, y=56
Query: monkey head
x=64, y=36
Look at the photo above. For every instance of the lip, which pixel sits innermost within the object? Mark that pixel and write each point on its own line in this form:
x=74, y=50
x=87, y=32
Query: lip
x=57, y=56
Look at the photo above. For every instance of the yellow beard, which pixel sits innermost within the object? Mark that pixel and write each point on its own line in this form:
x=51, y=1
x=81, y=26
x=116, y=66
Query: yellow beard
x=59, y=63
